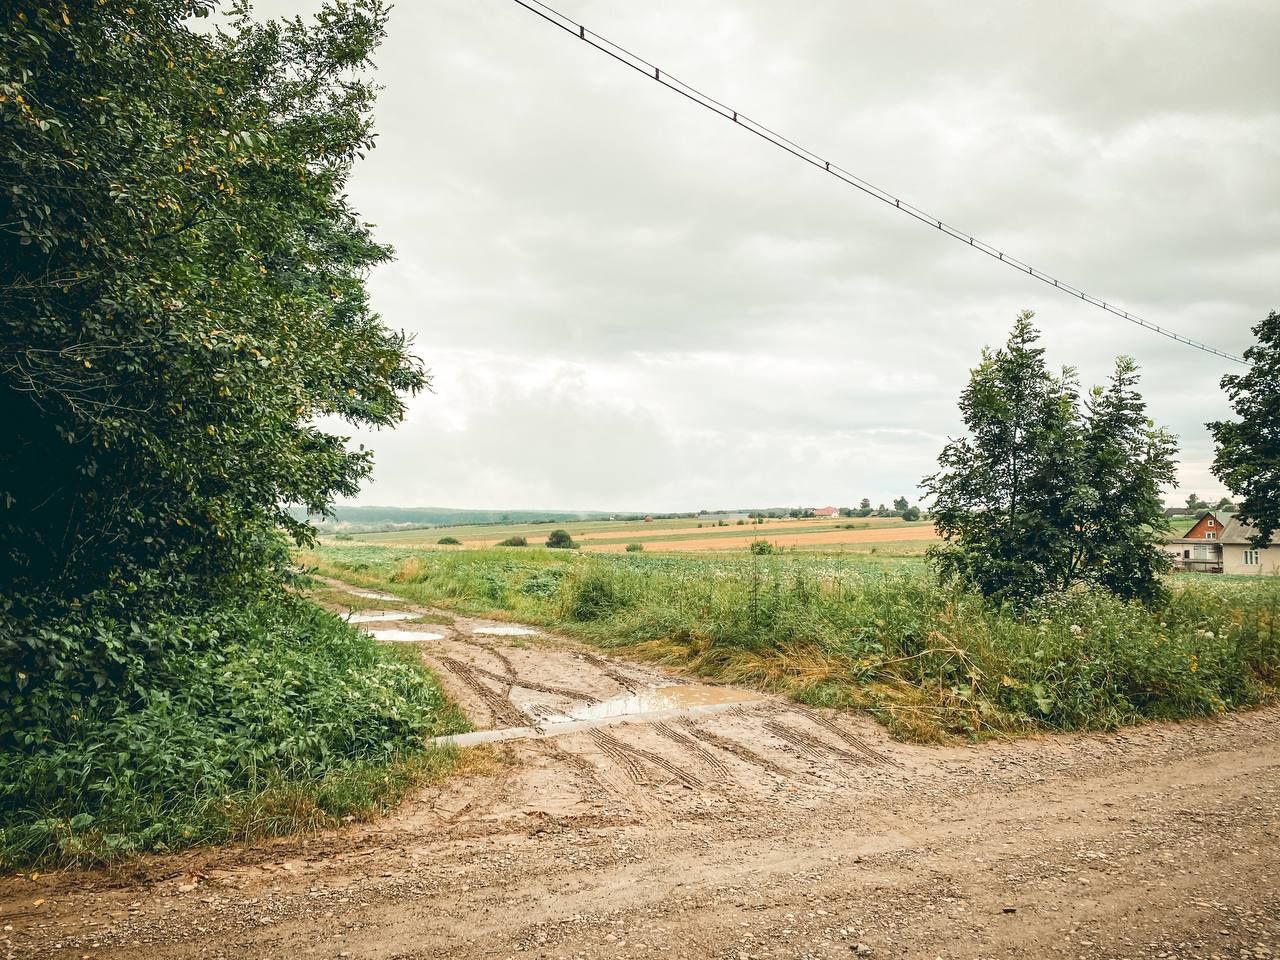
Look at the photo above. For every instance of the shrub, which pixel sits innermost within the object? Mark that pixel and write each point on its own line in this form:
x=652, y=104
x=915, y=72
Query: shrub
x=274, y=700
x=761, y=547
x=513, y=542
x=560, y=540
x=449, y=541
x=634, y=547
x=343, y=536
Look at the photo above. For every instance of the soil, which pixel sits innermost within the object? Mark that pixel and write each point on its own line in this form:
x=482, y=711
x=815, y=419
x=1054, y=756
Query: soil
x=724, y=829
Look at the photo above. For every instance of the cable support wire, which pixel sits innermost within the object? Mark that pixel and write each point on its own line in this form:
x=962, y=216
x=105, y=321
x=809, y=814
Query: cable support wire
x=653, y=72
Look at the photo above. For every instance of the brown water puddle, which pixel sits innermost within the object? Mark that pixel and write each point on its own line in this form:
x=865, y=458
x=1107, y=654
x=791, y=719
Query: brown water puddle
x=655, y=703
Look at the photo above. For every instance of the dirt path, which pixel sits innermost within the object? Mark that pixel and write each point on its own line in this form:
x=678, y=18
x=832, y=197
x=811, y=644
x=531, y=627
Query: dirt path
x=709, y=828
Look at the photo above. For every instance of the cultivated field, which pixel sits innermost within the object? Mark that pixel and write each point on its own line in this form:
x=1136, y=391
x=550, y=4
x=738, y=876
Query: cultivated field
x=889, y=535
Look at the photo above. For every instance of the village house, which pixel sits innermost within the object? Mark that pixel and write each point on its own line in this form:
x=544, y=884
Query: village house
x=1220, y=543
x=826, y=512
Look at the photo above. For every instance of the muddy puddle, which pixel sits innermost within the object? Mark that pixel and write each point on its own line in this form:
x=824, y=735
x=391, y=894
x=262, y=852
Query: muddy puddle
x=372, y=595
x=681, y=697
x=405, y=636
x=642, y=706
x=505, y=631
x=381, y=617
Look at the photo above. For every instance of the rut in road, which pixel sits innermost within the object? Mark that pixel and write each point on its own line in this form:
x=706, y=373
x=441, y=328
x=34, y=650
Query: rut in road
x=503, y=710
x=628, y=756
x=518, y=681
x=743, y=753
x=809, y=745
x=717, y=766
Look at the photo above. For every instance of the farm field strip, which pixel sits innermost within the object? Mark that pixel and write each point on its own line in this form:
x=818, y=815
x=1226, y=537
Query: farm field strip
x=824, y=538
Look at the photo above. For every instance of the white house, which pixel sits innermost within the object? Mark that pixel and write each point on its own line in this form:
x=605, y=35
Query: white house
x=1221, y=544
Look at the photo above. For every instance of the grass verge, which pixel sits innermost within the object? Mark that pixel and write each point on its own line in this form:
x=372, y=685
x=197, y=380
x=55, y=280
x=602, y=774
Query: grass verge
x=932, y=662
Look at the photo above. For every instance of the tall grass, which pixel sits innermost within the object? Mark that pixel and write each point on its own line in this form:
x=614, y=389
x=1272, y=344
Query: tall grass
x=931, y=661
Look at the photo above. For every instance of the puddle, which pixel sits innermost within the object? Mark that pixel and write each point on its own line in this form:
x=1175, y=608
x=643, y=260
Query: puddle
x=651, y=704
x=505, y=632
x=685, y=696
x=371, y=595
x=380, y=617
x=405, y=636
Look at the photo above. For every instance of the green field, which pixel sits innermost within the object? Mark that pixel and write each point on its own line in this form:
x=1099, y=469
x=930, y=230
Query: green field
x=874, y=632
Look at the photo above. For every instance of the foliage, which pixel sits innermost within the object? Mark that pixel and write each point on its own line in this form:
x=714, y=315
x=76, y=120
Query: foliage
x=275, y=700
x=514, y=542
x=931, y=659
x=449, y=541
x=634, y=547
x=1248, y=454
x=182, y=302
x=182, y=298
x=560, y=540
x=761, y=547
x=911, y=514
x=1042, y=495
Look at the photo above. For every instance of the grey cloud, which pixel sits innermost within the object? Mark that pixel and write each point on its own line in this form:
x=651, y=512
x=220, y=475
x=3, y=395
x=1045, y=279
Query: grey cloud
x=593, y=264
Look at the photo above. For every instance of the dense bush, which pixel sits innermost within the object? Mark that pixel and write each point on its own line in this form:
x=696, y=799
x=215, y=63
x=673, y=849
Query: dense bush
x=635, y=547
x=449, y=541
x=761, y=548
x=250, y=706
x=560, y=540
x=514, y=542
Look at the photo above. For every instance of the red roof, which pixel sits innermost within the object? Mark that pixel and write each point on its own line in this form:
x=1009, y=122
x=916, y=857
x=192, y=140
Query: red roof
x=826, y=512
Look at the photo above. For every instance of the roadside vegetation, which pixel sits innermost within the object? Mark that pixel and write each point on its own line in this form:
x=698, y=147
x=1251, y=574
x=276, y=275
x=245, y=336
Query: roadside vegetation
x=932, y=661
x=182, y=300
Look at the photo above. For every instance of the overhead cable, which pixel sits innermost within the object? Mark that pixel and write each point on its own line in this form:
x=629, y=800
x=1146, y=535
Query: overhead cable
x=639, y=64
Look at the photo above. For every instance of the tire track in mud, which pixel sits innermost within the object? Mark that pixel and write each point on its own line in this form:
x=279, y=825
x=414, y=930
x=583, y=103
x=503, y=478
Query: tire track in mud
x=743, y=753
x=507, y=666
x=503, y=710
x=850, y=738
x=629, y=757
x=517, y=681
x=609, y=671
x=810, y=746
x=714, y=763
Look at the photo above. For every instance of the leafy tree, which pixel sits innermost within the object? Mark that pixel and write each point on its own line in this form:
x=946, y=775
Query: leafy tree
x=1195, y=504
x=900, y=504
x=1225, y=504
x=1248, y=455
x=182, y=302
x=560, y=540
x=1042, y=495
x=911, y=514
x=865, y=504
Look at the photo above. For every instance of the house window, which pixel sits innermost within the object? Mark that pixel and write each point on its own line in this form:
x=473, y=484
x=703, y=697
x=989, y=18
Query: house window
x=1211, y=535
x=1251, y=558
x=1210, y=523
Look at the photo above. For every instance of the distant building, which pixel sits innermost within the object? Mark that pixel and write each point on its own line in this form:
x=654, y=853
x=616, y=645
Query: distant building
x=827, y=512
x=1219, y=543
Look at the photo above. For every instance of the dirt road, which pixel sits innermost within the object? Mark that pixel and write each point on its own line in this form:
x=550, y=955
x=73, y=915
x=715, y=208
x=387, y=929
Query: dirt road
x=722, y=824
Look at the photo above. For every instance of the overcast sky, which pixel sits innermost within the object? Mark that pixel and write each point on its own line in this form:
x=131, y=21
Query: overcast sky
x=628, y=303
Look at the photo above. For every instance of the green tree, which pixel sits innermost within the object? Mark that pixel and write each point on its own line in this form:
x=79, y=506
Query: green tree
x=182, y=302
x=1041, y=495
x=1195, y=504
x=900, y=504
x=560, y=540
x=1248, y=454
x=911, y=514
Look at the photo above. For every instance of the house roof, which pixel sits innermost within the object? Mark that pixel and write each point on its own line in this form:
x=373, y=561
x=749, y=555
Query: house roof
x=1236, y=531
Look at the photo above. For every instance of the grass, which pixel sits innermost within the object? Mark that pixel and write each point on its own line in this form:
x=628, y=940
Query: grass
x=859, y=631
x=275, y=718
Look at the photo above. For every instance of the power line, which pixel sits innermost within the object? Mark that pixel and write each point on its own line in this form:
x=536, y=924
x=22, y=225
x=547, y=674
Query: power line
x=639, y=64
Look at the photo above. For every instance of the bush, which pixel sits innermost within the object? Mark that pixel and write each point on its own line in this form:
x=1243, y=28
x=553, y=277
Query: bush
x=761, y=547
x=272, y=700
x=560, y=540
x=513, y=542
x=634, y=547
x=451, y=541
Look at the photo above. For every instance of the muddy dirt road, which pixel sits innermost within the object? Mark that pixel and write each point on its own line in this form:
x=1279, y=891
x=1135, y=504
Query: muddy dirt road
x=636, y=815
